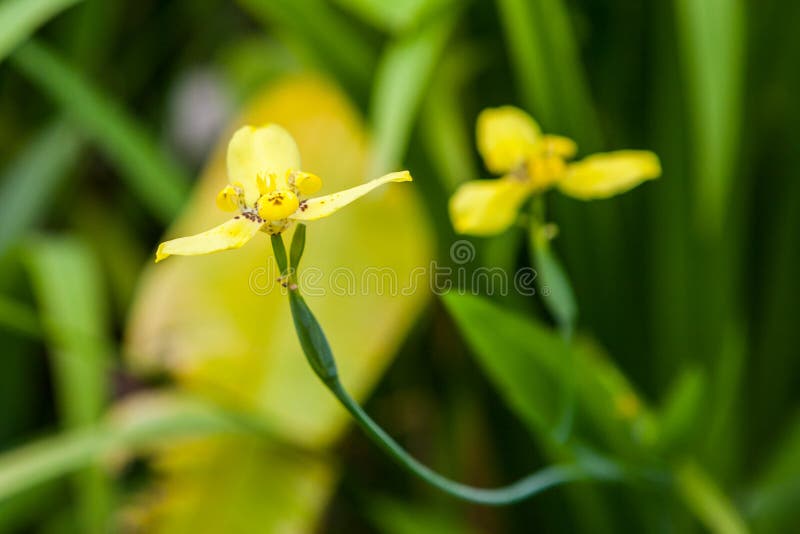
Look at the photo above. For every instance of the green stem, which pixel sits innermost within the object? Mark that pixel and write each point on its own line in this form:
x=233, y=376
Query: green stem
x=558, y=298
x=522, y=489
x=319, y=355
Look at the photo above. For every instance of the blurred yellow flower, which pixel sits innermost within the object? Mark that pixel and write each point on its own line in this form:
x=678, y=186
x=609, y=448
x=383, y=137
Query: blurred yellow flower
x=512, y=144
x=268, y=192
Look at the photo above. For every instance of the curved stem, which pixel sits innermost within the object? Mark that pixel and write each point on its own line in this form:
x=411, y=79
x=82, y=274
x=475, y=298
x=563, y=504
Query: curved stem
x=319, y=355
x=522, y=489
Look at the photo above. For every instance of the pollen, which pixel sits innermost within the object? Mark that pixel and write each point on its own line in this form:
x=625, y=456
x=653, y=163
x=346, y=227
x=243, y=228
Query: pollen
x=277, y=205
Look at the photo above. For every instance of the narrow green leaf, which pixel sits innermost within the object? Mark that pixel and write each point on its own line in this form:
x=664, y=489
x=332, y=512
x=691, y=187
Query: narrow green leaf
x=712, y=48
x=706, y=500
x=68, y=283
x=321, y=34
x=18, y=317
x=447, y=136
x=681, y=409
x=397, y=517
x=547, y=64
x=33, y=178
x=49, y=458
x=522, y=358
x=393, y=16
x=19, y=19
x=402, y=76
x=531, y=367
x=773, y=501
x=153, y=177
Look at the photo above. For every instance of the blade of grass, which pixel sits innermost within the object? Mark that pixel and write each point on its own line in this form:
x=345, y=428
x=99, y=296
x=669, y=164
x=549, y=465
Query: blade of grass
x=19, y=318
x=711, y=36
x=772, y=502
x=393, y=16
x=707, y=502
x=52, y=457
x=323, y=36
x=68, y=281
x=547, y=63
x=152, y=176
x=19, y=19
x=448, y=138
x=402, y=76
x=32, y=179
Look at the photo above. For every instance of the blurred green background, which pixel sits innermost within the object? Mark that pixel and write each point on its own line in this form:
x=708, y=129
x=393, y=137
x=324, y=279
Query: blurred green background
x=686, y=358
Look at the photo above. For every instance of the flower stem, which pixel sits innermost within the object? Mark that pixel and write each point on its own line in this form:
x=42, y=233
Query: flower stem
x=524, y=488
x=319, y=355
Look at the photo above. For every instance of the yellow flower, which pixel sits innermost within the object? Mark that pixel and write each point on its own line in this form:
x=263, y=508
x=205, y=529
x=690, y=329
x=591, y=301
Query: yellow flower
x=268, y=191
x=512, y=144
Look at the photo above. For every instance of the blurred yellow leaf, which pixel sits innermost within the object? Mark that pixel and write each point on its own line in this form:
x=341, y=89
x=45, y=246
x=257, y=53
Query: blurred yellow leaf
x=221, y=326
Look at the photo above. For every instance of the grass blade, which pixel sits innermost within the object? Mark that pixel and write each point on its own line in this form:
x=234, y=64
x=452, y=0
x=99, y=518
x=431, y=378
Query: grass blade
x=68, y=282
x=19, y=19
x=402, y=76
x=153, y=177
x=327, y=39
x=31, y=180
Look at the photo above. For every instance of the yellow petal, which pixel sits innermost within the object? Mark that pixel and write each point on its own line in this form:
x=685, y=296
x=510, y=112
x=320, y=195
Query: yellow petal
x=254, y=152
x=506, y=136
x=307, y=183
x=228, y=198
x=231, y=234
x=608, y=174
x=319, y=207
x=556, y=145
x=487, y=207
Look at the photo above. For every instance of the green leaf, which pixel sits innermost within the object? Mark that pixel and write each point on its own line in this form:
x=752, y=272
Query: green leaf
x=547, y=64
x=19, y=318
x=155, y=179
x=402, y=76
x=707, y=501
x=529, y=365
x=19, y=19
x=522, y=358
x=131, y=427
x=68, y=284
x=322, y=35
x=682, y=407
x=773, y=501
x=394, y=16
x=447, y=136
x=397, y=517
x=711, y=36
x=32, y=179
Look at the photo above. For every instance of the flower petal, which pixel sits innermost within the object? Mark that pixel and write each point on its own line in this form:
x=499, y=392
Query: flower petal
x=506, y=136
x=231, y=234
x=260, y=151
x=487, y=207
x=608, y=174
x=319, y=207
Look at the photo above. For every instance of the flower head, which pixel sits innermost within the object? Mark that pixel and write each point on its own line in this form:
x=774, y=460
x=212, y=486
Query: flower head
x=512, y=144
x=267, y=191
